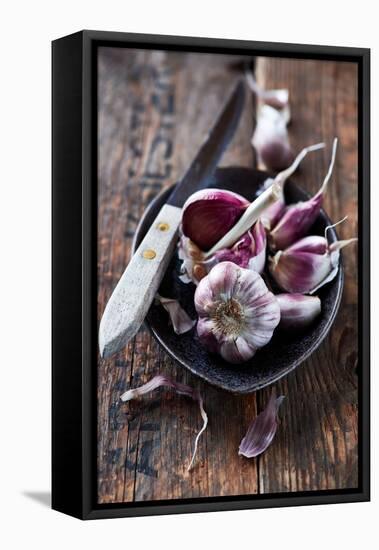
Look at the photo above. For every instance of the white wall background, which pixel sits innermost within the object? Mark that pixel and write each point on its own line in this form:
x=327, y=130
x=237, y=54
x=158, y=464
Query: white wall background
x=27, y=29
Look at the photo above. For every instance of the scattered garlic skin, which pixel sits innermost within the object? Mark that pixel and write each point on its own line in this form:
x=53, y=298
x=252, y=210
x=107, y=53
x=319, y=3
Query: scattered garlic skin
x=262, y=429
x=209, y=213
x=237, y=312
x=298, y=311
x=307, y=265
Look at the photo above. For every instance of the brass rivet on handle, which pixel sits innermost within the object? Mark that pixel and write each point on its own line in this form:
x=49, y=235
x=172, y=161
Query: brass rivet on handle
x=149, y=254
x=163, y=226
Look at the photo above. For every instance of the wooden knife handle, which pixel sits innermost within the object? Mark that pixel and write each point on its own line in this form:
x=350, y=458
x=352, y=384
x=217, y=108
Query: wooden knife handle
x=135, y=291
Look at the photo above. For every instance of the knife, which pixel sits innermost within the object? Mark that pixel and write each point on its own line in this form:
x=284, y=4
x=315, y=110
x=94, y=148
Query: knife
x=135, y=291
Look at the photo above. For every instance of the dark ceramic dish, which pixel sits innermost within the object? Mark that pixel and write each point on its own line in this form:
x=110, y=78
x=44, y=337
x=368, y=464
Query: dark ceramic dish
x=285, y=351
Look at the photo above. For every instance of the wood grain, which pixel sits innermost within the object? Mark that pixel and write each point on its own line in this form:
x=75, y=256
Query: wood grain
x=316, y=445
x=154, y=110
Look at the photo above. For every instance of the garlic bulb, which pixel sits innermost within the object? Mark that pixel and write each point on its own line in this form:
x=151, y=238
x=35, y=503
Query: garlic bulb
x=237, y=312
x=307, y=265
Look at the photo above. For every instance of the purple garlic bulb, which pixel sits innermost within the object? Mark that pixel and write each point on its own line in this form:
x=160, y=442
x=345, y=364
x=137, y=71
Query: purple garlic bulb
x=237, y=312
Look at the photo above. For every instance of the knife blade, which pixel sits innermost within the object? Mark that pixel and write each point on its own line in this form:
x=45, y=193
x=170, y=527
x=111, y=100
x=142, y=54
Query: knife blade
x=135, y=291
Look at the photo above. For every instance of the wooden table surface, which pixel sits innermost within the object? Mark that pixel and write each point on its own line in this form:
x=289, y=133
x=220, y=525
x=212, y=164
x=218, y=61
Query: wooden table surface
x=154, y=110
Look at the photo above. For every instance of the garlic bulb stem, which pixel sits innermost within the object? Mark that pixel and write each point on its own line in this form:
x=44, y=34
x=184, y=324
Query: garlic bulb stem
x=332, y=226
x=339, y=245
x=285, y=174
x=331, y=166
x=248, y=218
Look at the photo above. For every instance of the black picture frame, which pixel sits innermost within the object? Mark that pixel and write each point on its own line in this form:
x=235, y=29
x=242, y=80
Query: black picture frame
x=74, y=332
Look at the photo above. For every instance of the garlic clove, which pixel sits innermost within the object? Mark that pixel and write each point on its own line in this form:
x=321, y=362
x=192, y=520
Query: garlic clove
x=314, y=244
x=270, y=139
x=209, y=213
x=299, y=218
x=297, y=310
x=334, y=254
x=271, y=216
x=299, y=272
x=307, y=265
x=206, y=336
x=295, y=223
x=273, y=213
x=236, y=351
x=223, y=279
x=251, y=215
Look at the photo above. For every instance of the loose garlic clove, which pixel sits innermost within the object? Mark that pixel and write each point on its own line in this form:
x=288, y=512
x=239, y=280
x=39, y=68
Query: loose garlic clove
x=299, y=218
x=298, y=311
x=270, y=139
x=307, y=265
x=271, y=216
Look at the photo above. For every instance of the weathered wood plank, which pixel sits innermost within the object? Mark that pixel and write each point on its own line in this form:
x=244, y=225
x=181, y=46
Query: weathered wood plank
x=155, y=109
x=316, y=444
x=153, y=116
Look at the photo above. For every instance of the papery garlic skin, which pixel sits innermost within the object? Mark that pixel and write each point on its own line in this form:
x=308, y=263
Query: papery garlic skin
x=248, y=252
x=307, y=265
x=272, y=214
x=298, y=311
x=237, y=312
x=277, y=98
x=209, y=213
x=179, y=318
x=194, y=267
x=262, y=429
